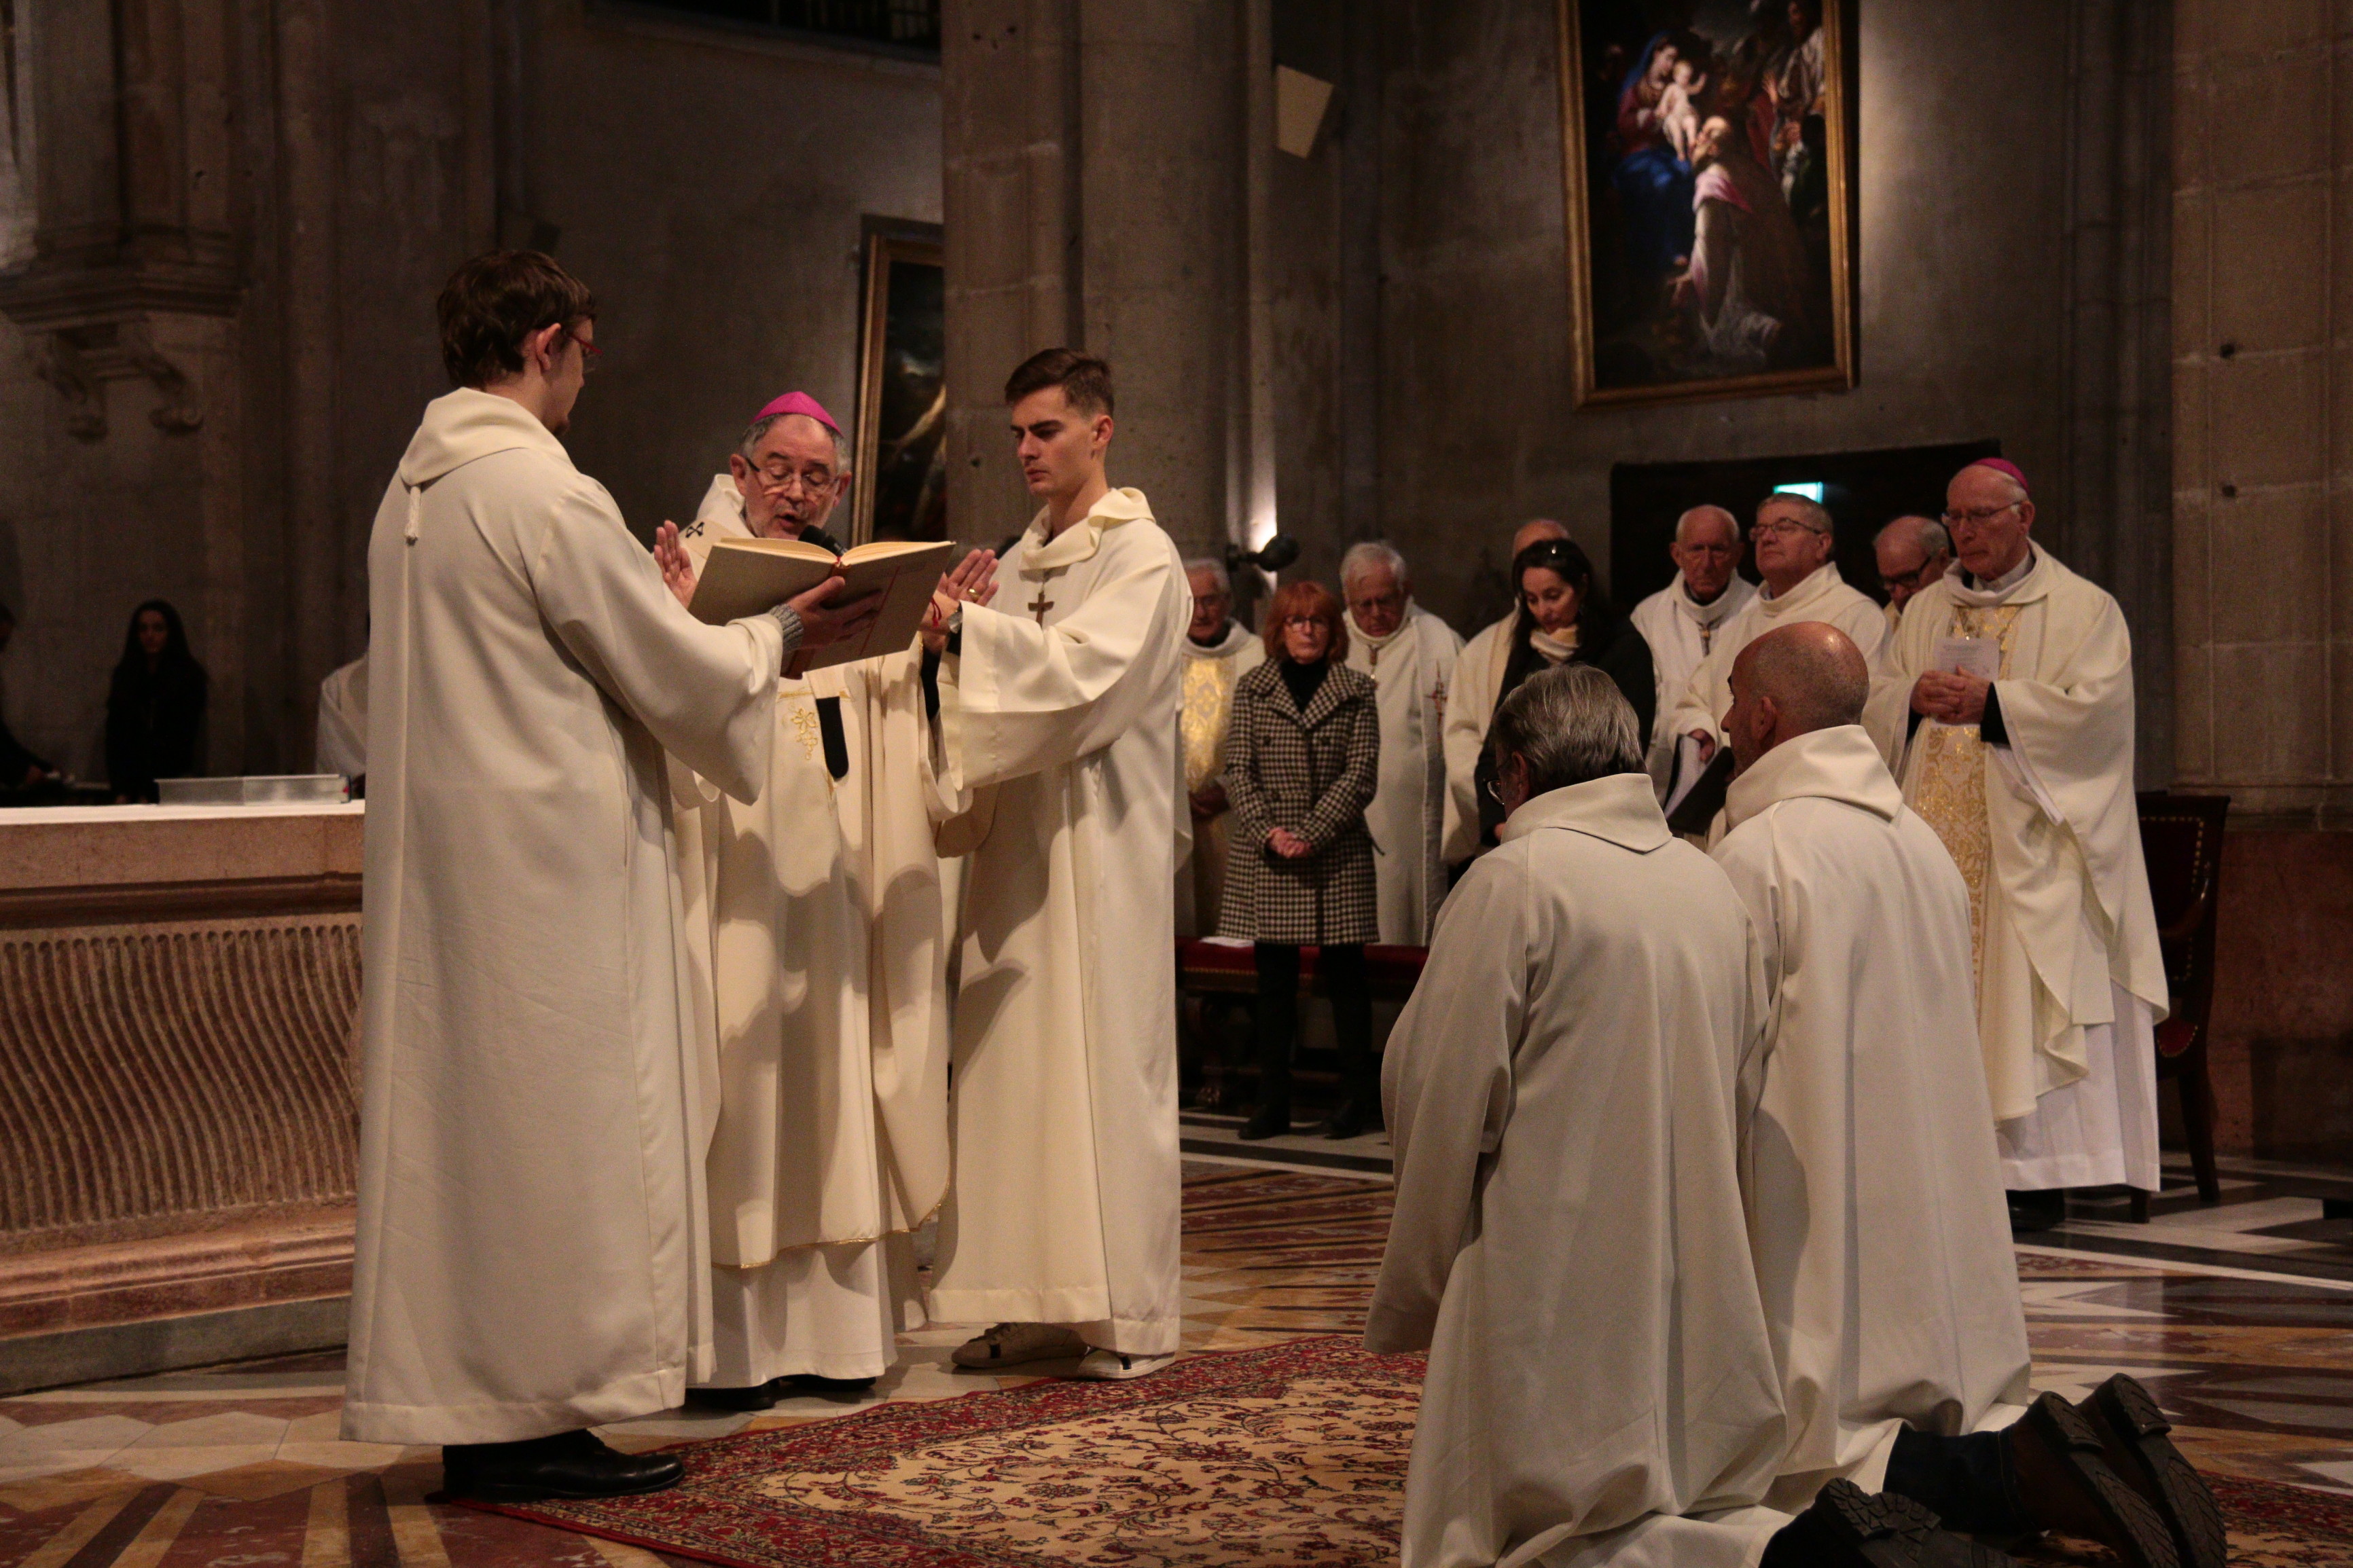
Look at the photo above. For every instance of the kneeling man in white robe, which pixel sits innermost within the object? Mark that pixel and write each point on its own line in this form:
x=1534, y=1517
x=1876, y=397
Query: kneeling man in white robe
x=531, y=1234
x=815, y=925
x=1061, y=710
x=1875, y=1209
x=1563, y=1094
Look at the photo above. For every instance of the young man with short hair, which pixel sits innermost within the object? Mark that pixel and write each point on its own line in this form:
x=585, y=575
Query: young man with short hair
x=1059, y=704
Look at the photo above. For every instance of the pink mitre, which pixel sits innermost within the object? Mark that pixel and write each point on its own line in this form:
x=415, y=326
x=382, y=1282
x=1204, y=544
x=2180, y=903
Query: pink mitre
x=2000, y=466
x=798, y=403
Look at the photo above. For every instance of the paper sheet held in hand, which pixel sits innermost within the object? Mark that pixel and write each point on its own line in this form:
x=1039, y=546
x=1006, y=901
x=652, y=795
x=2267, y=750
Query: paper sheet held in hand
x=746, y=576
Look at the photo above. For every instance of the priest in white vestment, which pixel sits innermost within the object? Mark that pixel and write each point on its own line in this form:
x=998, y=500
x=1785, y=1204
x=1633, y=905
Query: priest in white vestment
x=530, y=1254
x=1875, y=1209
x=1219, y=651
x=2006, y=709
x=1060, y=706
x=1794, y=548
x=1680, y=620
x=1410, y=654
x=1563, y=1097
x=816, y=926
x=1471, y=694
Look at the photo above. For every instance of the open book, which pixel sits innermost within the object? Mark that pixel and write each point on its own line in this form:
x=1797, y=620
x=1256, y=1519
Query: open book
x=746, y=576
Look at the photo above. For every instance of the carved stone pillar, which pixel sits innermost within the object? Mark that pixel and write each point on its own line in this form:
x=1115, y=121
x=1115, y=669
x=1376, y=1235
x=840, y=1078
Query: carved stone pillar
x=128, y=175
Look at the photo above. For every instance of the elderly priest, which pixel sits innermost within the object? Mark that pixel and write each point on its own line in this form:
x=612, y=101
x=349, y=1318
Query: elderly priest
x=1875, y=1202
x=1794, y=549
x=531, y=1215
x=815, y=923
x=1410, y=653
x=1680, y=620
x=2006, y=708
x=1563, y=1096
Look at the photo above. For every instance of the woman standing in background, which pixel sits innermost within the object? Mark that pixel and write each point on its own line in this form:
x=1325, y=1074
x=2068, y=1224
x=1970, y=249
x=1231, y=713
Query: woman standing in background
x=155, y=707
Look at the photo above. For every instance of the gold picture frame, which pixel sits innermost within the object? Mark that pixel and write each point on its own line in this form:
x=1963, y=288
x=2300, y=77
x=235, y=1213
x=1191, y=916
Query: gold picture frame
x=1660, y=310
x=899, y=490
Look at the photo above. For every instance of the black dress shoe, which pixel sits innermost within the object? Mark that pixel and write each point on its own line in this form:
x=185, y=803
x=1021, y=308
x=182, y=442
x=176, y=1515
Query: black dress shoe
x=2033, y=1213
x=1267, y=1122
x=759, y=1396
x=1355, y=1117
x=810, y=1382
x=1847, y=1527
x=2066, y=1484
x=567, y=1465
x=2133, y=1437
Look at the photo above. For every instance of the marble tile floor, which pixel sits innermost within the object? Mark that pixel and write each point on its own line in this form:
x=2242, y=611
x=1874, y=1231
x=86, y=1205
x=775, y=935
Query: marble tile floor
x=241, y=1466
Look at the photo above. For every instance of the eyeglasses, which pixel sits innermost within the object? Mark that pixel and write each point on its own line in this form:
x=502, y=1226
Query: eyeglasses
x=1977, y=517
x=1912, y=579
x=588, y=353
x=1301, y=623
x=777, y=481
x=1782, y=528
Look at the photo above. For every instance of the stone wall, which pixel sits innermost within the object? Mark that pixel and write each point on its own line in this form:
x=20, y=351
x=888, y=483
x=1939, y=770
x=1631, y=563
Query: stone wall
x=222, y=230
x=2263, y=448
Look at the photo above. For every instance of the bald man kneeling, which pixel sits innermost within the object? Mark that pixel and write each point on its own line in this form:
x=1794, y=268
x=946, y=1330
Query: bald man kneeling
x=1876, y=1216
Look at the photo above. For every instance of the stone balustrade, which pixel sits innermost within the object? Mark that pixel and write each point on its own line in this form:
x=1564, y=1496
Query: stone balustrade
x=178, y=995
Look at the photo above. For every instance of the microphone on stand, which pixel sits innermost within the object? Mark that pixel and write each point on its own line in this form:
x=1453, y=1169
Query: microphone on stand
x=1278, y=551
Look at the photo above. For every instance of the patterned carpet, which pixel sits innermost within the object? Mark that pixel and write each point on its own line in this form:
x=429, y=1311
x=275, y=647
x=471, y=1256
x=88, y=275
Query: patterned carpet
x=240, y=1467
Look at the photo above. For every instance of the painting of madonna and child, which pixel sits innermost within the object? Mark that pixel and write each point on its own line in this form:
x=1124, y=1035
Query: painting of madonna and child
x=1707, y=174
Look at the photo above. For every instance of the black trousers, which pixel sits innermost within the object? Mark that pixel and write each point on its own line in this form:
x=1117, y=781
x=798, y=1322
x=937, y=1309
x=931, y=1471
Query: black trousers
x=1343, y=967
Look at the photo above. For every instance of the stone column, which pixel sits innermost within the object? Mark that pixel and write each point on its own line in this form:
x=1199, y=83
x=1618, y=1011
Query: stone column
x=2263, y=468
x=1098, y=194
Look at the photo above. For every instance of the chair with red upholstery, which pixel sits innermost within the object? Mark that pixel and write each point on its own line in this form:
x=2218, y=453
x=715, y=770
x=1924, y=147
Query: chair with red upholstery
x=2181, y=839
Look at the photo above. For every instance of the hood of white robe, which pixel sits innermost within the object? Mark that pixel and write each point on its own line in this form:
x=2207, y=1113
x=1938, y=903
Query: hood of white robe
x=1357, y=634
x=1736, y=593
x=720, y=515
x=1235, y=637
x=1839, y=763
x=1621, y=809
x=1080, y=540
x=464, y=425
x=1810, y=591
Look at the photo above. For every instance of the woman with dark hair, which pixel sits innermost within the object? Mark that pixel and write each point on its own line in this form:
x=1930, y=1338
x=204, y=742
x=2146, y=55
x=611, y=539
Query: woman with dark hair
x=1303, y=760
x=1565, y=618
x=156, y=707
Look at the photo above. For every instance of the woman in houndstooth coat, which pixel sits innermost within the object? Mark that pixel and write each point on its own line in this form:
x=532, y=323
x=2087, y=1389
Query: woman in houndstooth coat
x=1303, y=758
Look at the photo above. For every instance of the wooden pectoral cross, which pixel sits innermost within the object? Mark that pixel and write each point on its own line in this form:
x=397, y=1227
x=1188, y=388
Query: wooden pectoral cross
x=1041, y=605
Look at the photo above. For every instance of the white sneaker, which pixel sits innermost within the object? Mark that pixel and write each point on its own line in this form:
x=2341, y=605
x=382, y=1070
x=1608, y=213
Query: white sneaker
x=1010, y=1344
x=1111, y=1366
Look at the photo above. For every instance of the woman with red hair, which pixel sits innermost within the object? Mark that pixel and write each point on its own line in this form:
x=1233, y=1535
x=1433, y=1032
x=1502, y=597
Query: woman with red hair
x=1303, y=754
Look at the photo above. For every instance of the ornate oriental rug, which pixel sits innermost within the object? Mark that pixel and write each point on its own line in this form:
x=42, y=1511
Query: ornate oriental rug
x=1294, y=1454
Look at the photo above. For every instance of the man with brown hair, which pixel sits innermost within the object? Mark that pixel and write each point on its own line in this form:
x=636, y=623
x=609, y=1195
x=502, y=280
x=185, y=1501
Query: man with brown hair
x=1060, y=708
x=530, y=1219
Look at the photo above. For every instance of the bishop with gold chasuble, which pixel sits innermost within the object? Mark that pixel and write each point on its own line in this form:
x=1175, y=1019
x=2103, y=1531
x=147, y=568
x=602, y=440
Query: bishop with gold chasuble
x=816, y=926
x=531, y=1248
x=2045, y=827
x=1875, y=1209
x=1411, y=667
x=1060, y=708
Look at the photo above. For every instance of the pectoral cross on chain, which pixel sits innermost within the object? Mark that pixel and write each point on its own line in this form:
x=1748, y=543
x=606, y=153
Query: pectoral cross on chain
x=1041, y=605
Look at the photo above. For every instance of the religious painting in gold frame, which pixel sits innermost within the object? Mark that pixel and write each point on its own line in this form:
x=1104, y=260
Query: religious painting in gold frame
x=1708, y=162
x=900, y=490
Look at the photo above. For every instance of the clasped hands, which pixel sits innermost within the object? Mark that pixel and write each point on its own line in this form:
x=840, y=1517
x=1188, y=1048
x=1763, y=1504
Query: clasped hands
x=1289, y=845
x=1950, y=697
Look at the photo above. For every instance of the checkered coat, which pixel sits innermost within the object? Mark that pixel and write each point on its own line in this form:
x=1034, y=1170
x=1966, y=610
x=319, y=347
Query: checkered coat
x=1313, y=772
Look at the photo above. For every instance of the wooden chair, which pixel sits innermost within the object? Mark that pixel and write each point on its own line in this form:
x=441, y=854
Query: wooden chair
x=2181, y=839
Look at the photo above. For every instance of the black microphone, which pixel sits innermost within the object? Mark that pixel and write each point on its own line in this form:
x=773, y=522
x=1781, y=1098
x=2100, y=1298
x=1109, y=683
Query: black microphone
x=1277, y=552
